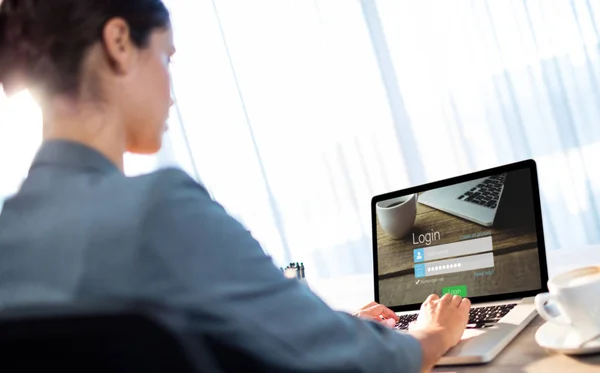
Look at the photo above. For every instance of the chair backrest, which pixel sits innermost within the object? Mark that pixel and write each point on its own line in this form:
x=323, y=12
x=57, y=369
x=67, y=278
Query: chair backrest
x=100, y=338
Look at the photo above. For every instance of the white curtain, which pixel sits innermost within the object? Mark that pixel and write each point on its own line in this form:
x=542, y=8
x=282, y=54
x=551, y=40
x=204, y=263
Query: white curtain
x=295, y=113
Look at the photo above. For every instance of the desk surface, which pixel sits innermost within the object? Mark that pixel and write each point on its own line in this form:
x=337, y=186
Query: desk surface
x=522, y=355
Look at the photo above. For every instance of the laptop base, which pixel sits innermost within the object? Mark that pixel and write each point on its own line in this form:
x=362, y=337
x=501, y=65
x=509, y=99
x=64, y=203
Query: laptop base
x=480, y=346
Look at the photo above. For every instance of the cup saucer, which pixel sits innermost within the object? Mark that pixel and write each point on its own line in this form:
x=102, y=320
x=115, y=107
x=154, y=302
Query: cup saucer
x=564, y=339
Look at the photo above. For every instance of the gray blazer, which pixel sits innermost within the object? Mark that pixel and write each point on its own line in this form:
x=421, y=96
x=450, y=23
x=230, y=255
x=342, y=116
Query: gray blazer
x=80, y=230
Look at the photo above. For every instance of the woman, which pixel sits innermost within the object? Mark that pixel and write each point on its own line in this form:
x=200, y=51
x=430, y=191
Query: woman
x=79, y=230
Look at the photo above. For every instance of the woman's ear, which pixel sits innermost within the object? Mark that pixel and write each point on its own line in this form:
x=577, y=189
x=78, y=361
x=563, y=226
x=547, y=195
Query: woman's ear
x=118, y=45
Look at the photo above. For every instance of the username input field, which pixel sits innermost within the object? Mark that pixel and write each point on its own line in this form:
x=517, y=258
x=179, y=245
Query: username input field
x=459, y=248
x=454, y=265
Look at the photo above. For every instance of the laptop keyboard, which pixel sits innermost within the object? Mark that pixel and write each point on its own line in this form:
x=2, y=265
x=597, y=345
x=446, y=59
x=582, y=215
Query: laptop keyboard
x=479, y=317
x=486, y=193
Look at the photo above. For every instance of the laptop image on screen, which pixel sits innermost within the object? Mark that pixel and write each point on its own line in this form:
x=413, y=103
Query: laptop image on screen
x=478, y=236
x=475, y=200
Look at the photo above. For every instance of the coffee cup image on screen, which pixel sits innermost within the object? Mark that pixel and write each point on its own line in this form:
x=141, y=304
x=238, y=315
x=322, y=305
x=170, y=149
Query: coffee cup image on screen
x=472, y=239
x=397, y=215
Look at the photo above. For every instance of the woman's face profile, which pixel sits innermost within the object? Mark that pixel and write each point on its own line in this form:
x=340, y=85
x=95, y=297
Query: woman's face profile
x=145, y=97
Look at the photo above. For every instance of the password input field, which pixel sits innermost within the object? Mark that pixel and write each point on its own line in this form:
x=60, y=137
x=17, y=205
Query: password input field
x=459, y=248
x=454, y=265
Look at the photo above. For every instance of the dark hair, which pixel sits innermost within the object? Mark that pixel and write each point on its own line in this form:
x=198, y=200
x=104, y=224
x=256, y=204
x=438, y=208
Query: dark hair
x=43, y=42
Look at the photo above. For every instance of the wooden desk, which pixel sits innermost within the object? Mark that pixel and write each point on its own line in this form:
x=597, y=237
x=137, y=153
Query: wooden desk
x=523, y=355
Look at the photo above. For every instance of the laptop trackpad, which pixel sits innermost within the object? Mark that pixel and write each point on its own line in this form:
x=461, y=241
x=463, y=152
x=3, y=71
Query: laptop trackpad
x=476, y=344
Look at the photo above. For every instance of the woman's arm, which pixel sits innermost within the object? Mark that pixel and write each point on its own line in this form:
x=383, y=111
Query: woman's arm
x=236, y=296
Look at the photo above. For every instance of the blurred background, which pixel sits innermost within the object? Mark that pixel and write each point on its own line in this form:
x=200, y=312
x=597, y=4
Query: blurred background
x=294, y=114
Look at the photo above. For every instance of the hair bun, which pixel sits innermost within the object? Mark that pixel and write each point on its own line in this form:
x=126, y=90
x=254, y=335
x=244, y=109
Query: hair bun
x=43, y=43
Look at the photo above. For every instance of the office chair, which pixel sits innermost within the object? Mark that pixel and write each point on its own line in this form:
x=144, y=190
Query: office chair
x=100, y=338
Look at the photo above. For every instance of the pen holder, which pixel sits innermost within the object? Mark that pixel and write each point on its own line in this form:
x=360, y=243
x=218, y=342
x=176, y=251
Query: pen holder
x=295, y=271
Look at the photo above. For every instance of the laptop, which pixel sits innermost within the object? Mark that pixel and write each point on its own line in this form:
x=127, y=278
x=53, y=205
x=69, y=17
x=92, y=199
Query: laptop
x=478, y=236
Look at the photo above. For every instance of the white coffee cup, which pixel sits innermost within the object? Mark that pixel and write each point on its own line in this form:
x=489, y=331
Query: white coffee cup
x=397, y=215
x=575, y=294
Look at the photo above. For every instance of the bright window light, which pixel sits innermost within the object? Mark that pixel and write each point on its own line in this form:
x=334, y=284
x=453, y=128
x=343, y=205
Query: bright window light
x=20, y=136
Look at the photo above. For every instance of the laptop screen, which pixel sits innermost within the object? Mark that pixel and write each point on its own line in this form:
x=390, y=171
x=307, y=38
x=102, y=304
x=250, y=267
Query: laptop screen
x=474, y=238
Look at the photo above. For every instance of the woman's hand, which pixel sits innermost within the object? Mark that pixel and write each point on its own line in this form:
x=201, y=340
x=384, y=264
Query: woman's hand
x=377, y=312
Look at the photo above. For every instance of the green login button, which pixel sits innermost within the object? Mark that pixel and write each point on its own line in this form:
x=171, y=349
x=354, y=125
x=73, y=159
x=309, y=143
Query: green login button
x=456, y=290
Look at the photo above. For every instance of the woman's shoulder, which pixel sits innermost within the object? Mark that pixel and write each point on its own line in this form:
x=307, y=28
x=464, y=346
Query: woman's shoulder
x=170, y=185
x=173, y=200
x=169, y=177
